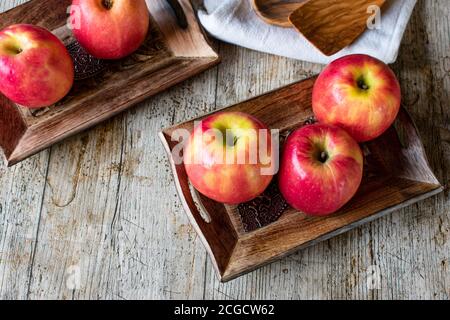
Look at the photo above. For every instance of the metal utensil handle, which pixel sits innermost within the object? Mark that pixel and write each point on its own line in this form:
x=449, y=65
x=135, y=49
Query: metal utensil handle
x=179, y=13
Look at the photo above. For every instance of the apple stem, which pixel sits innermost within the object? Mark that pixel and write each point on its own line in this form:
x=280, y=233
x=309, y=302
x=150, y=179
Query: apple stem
x=362, y=84
x=323, y=157
x=12, y=49
x=108, y=4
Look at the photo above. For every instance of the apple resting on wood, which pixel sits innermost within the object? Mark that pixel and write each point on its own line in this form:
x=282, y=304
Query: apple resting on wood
x=110, y=29
x=229, y=157
x=36, y=69
x=321, y=169
x=358, y=93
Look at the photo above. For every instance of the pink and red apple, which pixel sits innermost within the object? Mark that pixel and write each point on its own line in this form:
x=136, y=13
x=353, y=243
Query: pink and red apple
x=321, y=169
x=110, y=29
x=36, y=69
x=229, y=157
x=358, y=93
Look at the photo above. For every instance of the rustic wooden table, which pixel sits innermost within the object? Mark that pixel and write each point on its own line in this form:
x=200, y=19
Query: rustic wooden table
x=98, y=217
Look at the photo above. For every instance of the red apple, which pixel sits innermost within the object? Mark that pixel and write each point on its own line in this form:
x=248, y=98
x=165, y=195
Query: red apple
x=358, y=93
x=36, y=69
x=110, y=29
x=228, y=157
x=321, y=169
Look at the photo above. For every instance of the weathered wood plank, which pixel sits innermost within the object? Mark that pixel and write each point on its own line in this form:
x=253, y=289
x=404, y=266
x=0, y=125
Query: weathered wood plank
x=416, y=252
x=6, y=5
x=111, y=225
x=21, y=194
x=111, y=217
x=20, y=206
x=409, y=249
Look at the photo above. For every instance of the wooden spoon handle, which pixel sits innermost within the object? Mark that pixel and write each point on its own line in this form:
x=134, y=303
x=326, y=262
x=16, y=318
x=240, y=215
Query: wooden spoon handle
x=276, y=12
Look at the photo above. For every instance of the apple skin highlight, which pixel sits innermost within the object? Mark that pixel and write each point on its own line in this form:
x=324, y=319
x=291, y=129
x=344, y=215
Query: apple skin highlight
x=110, y=29
x=358, y=93
x=321, y=169
x=36, y=70
x=206, y=165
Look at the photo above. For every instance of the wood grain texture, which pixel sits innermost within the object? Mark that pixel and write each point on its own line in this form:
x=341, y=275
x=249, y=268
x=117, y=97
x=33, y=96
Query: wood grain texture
x=406, y=246
x=396, y=174
x=276, y=12
x=332, y=25
x=410, y=247
x=20, y=205
x=169, y=56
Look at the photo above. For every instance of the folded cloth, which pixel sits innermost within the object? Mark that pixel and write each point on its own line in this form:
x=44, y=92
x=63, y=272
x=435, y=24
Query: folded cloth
x=236, y=22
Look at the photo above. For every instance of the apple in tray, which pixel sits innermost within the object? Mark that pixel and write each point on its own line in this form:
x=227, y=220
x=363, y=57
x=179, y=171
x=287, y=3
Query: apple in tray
x=110, y=29
x=321, y=169
x=358, y=93
x=229, y=157
x=36, y=69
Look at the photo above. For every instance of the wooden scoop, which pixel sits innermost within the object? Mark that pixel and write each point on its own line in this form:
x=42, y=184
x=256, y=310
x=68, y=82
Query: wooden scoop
x=276, y=12
x=331, y=25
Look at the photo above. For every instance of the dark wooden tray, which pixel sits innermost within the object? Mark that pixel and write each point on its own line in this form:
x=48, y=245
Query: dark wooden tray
x=103, y=89
x=242, y=238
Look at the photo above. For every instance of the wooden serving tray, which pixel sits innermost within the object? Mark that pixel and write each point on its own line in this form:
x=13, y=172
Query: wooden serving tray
x=102, y=89
x=242, y=238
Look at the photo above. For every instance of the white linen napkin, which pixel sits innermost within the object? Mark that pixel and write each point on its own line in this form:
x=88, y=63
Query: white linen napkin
x=235, y=21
